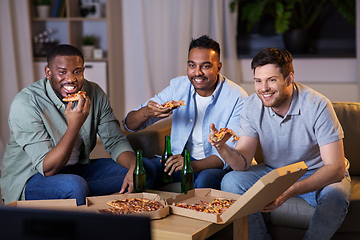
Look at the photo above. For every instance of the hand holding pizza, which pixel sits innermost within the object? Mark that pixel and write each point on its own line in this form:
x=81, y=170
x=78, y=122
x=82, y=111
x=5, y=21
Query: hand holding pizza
x=156, y=110
x=217, y=138
x=153, y=110
x=77, y=116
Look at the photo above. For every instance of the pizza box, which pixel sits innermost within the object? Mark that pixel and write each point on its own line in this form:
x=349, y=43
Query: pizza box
x=100, y=202
x=263, y=192
x=56, y=204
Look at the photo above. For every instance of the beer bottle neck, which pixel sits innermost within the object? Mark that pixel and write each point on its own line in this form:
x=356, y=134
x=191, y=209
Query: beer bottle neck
x=139, y=162
x=167, y=148
x=187, y=164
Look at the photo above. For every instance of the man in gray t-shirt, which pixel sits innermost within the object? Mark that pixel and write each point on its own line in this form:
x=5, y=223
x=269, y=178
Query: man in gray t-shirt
x=293, y=123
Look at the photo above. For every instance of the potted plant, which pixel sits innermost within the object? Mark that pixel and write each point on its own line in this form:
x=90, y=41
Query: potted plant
x=88, y=46
x=292, y=18
x=42, y=8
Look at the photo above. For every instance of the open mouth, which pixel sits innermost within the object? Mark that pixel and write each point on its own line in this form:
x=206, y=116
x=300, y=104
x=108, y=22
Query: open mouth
x=198, y=80
x=267, y=95
x=69, y=88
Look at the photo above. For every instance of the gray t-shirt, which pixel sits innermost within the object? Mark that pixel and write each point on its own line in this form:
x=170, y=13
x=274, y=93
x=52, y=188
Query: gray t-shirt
x=310, y=122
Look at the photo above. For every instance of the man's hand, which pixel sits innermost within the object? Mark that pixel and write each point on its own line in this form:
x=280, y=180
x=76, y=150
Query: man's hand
x=135, y=119
x=212, y=137
x=174, y=163
x=127, y=159
x=128, y=182
x=277, y=203
x=76, y=117
x=153, y=110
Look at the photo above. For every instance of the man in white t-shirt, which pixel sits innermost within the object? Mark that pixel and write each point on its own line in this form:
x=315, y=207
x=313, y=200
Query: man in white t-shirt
x=209, y=97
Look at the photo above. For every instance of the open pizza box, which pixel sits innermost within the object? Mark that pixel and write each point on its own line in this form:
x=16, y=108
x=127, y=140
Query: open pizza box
x=57, y=204
x=93, y=204
x=263, y=192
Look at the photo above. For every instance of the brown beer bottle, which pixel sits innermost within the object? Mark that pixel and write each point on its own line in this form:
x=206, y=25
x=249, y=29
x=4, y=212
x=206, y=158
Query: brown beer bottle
x=187, y=174
x=139, y=175
x=166, y=178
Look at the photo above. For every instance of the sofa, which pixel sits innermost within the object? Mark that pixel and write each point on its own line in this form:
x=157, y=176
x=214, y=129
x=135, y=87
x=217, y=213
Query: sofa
x=291, y=220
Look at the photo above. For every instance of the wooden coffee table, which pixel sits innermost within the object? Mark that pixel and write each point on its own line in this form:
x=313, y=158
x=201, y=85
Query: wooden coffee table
x=178, y=227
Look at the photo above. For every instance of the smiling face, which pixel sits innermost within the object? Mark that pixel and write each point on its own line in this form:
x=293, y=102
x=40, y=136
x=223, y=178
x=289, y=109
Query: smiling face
x=203, y=70
x=66, y=75
x=273, y=89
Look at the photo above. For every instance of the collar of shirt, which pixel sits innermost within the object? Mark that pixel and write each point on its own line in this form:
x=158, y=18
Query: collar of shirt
x=53, y=97
x=294, y=105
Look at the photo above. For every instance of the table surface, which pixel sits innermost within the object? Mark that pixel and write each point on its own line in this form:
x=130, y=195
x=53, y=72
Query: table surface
x=179, y=227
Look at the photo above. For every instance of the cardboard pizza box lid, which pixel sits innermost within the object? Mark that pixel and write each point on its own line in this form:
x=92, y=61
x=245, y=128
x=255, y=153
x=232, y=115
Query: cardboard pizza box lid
x=100, y=202
x=57, y=204
x=263, y=192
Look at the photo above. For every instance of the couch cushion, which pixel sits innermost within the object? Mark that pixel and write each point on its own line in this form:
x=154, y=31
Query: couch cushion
x=150, y=140
x=348, y=114
x=297, y=213
x=351, y=221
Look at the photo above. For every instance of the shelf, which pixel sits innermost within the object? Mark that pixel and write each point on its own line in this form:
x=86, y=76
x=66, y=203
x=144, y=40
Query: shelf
x=71, y=28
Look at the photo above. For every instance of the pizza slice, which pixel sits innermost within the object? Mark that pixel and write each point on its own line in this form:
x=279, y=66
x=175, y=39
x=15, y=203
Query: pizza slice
x=74, y=97
x=173, y=104
x=221, y=134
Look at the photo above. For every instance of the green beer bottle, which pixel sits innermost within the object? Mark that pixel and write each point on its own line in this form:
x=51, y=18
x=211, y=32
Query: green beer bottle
x=187, y=174
x=166, y=178
x=139, y=175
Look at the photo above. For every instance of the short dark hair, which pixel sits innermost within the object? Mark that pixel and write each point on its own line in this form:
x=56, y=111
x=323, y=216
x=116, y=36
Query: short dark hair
x=280, y=57
x=63, y=50
x=205, y=42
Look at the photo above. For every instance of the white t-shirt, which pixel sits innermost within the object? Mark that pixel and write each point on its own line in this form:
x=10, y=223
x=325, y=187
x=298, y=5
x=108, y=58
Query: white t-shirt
x=195, y=141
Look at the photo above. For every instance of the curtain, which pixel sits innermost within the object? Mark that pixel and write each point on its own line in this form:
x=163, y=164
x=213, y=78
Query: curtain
x=156, y=39
x=16, y=69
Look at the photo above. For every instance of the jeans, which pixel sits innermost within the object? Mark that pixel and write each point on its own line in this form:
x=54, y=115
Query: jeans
x=208, y=178
x=331, y=203
x=101, y=177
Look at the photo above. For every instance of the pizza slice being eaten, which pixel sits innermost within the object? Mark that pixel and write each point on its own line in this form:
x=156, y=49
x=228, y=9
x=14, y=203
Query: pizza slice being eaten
x=74, y=97
x=173, y=104
x=221, y=134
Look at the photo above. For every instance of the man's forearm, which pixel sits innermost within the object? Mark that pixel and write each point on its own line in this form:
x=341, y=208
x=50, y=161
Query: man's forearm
x=57, y=157
x=236, y=160
x=210, y=162
x=135, y=119
x=324, y=176
x=127, y=159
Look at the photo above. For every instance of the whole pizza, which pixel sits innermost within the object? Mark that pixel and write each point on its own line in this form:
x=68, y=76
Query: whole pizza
x=217, y=206
x=130, y=205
